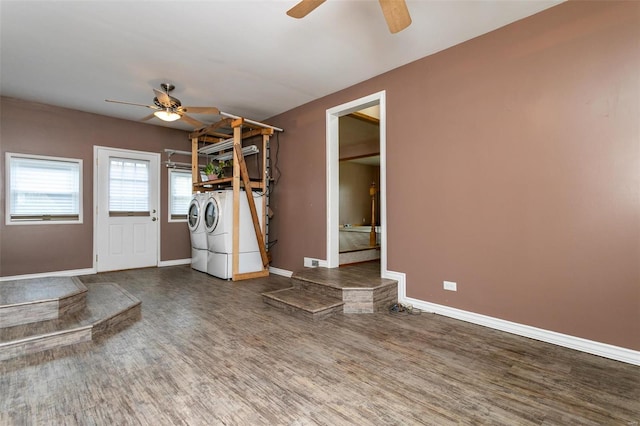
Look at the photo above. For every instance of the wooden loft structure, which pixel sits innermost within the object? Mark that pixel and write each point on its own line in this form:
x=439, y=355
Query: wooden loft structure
x=211, y=136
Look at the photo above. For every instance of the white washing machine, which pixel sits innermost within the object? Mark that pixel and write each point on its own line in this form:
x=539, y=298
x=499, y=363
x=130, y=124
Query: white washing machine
x=198, y=232
x=218, y=220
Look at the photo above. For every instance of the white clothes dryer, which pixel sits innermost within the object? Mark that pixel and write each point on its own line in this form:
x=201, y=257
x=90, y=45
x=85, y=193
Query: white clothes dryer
x=198, y=232
x=218, y=218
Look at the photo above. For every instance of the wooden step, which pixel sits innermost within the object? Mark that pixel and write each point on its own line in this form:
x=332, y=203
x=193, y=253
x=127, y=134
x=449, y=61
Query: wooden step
x=303, y=303
x=350, y=277
x=108, y=306
x=361, y=291
x=359, y=288
x=39, y=299
x=317, y=287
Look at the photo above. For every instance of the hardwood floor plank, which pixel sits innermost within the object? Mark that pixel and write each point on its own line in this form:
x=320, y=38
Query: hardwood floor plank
x=210, y=352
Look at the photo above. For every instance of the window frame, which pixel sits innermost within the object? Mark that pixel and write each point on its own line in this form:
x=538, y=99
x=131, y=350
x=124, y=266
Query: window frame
x=42, y=221
x=126, y=194
x=169, y=195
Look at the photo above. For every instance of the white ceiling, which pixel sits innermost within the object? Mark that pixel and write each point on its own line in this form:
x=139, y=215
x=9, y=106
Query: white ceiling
x=246, y=57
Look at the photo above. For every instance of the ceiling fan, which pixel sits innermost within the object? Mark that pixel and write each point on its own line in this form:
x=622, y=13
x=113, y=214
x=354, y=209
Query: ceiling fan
x=395, y=12
x=169, y=108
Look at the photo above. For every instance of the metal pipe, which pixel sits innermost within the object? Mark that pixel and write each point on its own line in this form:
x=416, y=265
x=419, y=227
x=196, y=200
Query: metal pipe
x=257, y=123
x=175, y=151
x=178, y=164
x=217, y=147
x=247, y=150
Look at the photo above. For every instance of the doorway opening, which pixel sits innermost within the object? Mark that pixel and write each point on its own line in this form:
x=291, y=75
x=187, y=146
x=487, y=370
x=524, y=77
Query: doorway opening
x=359, y=180
x=341, y=120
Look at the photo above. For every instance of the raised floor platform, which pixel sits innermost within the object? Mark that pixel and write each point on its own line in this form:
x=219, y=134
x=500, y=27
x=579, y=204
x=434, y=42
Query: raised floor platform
x=42, y=314
x=317, y=293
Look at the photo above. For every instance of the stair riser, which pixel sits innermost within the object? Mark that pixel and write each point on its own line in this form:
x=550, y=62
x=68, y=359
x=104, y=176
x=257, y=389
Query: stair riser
x=384, y=297
x=119, y=321
x=366, y=301
x=301, y=313
x=43, y=343
x=28, y=313
x=13, y=315
x=317, y=288
x=72, y=304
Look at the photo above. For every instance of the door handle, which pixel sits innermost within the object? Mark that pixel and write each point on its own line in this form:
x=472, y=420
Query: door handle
x=153, y=219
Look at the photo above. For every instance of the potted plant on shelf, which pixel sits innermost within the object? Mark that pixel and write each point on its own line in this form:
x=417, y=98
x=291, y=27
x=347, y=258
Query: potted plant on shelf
x=217, y=170
x=209, y=170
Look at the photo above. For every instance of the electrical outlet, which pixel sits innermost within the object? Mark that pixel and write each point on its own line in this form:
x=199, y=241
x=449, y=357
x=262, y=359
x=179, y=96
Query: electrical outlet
x=450, y=285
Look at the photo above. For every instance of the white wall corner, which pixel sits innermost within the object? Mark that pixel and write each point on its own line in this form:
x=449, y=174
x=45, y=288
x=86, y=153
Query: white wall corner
x=401, y=277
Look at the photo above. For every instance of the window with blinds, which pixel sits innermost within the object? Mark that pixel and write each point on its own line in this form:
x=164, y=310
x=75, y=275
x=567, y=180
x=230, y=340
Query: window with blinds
x=128, y=187
x=180, y=194
x=42, y=189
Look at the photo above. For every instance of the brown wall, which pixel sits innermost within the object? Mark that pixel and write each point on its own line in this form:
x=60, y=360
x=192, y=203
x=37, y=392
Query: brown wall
x=33, y=128
x=355, y=201
x=358, y=138
x=525, y=145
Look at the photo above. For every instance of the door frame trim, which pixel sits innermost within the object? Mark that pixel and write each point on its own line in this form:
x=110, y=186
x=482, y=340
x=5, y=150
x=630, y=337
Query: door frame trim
x=332, y=170
x=96, y=149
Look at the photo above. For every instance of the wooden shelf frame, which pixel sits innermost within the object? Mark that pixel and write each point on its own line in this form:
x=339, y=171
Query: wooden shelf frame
x=239, y=180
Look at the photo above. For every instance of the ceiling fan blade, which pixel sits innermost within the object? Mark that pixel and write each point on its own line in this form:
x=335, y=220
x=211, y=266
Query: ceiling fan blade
x=163, y=98
x=148, y=117
x=396, y=14
x=192, y=121
x=303, y=8
x=201, y=110
x=131, y=103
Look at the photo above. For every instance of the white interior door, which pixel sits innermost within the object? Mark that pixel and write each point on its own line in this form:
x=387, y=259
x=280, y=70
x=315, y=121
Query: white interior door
x=126, y=206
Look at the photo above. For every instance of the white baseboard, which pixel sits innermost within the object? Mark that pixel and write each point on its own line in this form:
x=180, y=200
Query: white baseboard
x=402, y=282
x=282, y=272
x=87, y=271
x=176, y=262
x=572, y=342
x=69, y=273
x=308, y=263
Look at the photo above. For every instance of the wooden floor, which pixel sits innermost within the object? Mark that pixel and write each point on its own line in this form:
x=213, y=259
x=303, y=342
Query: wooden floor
x=210, y=352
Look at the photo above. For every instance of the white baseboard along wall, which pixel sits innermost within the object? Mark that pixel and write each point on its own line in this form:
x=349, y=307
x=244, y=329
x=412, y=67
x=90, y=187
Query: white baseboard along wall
x=589, y=346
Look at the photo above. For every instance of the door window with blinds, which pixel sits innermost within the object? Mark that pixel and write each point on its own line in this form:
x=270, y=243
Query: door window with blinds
x=128, y=187
x=180, y=194
x=43, y=189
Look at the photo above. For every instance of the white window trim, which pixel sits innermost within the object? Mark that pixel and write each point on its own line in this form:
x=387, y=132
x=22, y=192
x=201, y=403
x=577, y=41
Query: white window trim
x=169, y=216
x=8, y=221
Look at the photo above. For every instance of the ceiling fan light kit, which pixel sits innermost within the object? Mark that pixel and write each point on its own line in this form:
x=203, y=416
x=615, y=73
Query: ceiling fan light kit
x=167, y=115
x=168, y=108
